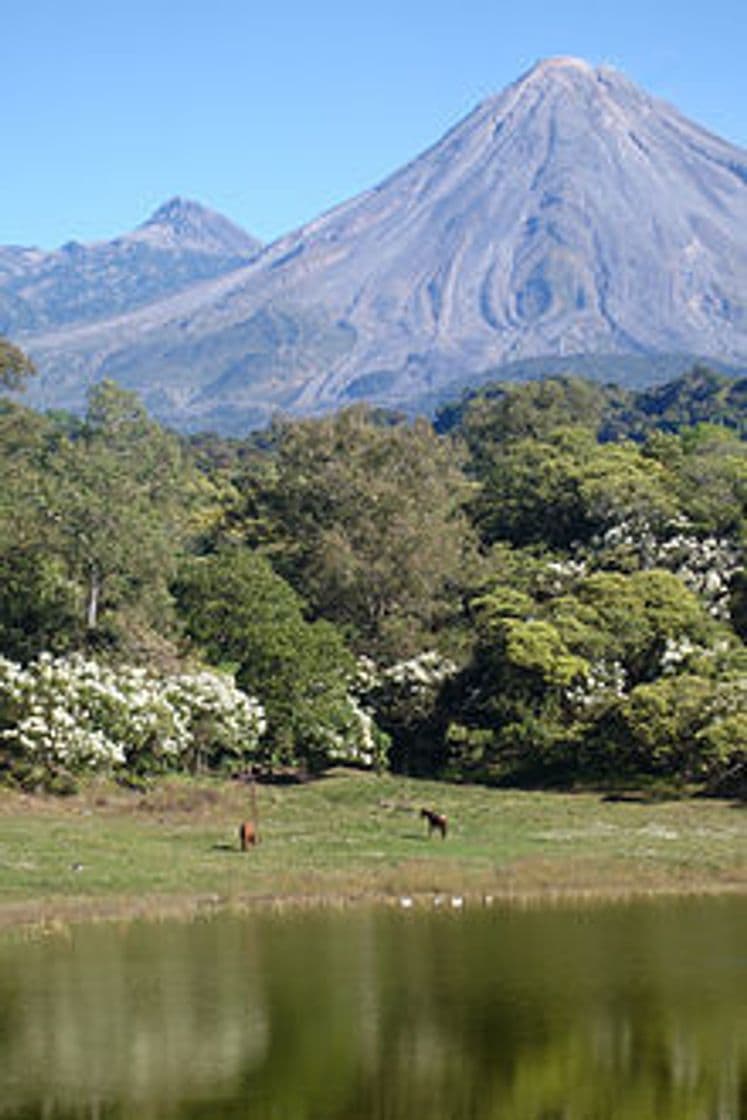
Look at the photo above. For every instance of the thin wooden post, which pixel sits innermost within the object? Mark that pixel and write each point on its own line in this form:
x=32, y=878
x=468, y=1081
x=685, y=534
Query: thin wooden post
x=255, y=810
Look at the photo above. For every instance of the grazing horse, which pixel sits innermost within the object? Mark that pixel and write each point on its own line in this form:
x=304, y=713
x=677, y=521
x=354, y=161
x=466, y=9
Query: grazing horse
x=437, y=822
x=248, y=835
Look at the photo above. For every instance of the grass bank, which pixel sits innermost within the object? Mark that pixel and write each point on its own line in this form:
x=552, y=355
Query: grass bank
x=347, y=836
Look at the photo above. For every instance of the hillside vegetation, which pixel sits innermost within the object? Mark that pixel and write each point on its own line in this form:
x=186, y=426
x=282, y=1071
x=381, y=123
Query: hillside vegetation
x=544, y=588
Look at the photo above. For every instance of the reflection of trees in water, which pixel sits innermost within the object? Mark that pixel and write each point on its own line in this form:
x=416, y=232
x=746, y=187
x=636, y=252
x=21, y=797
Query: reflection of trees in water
x=623, y=1012
x=141, y=1014
x=599, y=1013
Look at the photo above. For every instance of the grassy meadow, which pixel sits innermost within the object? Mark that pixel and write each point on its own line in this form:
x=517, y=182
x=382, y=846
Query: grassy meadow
x=347, y=836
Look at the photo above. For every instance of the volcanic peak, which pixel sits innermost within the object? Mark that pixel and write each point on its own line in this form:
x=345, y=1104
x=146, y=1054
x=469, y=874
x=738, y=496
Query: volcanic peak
x=181, y=223
x=561, y=62
x=571, y=214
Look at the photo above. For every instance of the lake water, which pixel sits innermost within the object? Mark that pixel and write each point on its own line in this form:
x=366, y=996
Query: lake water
x=629, y=1011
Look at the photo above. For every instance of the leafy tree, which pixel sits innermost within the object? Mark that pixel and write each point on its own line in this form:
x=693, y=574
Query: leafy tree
x=564, y=489
x=544, y=695
x=631, y=618
x=739, y=603
x=689, y=725
x=712, y=479
x=38, y=604
x=366, y=522
x=23, y=437
x=15, y=366
x=38, y=600
x=505, y=411
x=112, y=501
x=237, y=608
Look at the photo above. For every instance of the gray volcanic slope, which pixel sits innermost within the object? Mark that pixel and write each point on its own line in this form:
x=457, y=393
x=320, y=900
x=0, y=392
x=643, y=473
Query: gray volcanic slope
x=571, y=214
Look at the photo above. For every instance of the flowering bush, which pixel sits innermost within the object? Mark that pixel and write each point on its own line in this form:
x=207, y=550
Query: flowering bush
x=222, y=725
x=598, y=689
x=355, y=739
x=62, y=717
x=400, y=704
x=706, y=565
x=406, y=691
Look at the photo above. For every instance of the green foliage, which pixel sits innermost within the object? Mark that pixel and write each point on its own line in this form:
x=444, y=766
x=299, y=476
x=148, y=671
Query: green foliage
x=637, y=614
x=38, y=604
x=15, y=366
x=701, y=395
x=500, y=411
x=111, y=501
x=534, y=410
x=712, y=479
x=537, y=648
x=565, y=488
x=239, y=610
x=553, y=677
x=690, y=725
x=365, y=520
x=553, y=591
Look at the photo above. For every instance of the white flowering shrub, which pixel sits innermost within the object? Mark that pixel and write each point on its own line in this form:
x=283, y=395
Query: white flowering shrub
x=560, y=576
x=66, y=716
x=406, y=691
x=706, y=565
x=356, y=740
x=598, y=689
x=221, y=723
x=420, y=674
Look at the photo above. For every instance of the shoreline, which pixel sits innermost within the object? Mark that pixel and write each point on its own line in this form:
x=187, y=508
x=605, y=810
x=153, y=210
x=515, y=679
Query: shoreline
x=49, y=916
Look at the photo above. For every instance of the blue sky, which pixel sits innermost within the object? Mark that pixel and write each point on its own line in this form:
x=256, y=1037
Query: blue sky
x=274, y=112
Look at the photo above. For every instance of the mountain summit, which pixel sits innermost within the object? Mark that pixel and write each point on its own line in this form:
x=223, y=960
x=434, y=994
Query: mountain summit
x=181, y=223
x=571, y=214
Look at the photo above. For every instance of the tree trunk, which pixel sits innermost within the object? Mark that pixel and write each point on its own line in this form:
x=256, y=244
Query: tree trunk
x=92, y=609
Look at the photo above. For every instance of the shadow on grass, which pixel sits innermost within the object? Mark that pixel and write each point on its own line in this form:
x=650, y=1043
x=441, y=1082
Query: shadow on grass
x=628, y=798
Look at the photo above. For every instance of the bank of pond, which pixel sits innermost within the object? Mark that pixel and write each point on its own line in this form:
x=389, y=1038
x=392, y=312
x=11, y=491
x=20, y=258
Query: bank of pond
x=622, y=1010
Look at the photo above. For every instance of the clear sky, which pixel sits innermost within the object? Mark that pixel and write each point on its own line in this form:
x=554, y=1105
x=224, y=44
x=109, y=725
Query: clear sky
x=274, y=112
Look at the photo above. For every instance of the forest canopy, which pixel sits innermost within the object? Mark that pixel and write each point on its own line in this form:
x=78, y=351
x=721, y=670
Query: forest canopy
x=545, y=586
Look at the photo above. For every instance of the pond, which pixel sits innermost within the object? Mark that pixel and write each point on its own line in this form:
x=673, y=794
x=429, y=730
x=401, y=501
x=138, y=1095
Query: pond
x=601, y=1012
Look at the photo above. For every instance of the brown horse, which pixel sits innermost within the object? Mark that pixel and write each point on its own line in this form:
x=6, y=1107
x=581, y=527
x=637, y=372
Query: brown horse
x=437, y=822
x=248, y=835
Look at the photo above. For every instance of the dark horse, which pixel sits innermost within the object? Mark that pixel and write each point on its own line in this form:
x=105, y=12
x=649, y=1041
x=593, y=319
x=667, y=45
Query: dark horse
x=247, y=835
x=437, y=822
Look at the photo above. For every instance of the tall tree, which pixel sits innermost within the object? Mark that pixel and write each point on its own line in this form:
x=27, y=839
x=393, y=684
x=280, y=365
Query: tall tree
x=367, y=523
x=112, y=499
x=241, y=612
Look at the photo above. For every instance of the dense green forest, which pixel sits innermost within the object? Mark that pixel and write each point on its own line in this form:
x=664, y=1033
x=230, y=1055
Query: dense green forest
x=545, y=586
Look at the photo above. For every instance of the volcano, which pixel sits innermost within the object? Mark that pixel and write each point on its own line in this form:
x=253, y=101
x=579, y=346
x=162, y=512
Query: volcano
x=571, y=215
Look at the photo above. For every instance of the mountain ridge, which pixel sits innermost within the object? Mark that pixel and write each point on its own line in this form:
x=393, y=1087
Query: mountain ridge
x=180, y=244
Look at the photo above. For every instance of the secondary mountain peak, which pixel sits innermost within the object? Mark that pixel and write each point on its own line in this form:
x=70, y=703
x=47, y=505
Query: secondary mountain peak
x=185, y=224
x=181, y=244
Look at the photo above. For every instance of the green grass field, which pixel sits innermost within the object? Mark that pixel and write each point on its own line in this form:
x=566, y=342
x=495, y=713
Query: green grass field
x=346, y=836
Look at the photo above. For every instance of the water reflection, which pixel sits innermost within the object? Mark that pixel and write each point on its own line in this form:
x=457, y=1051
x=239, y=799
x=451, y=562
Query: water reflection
x=622, y=1012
